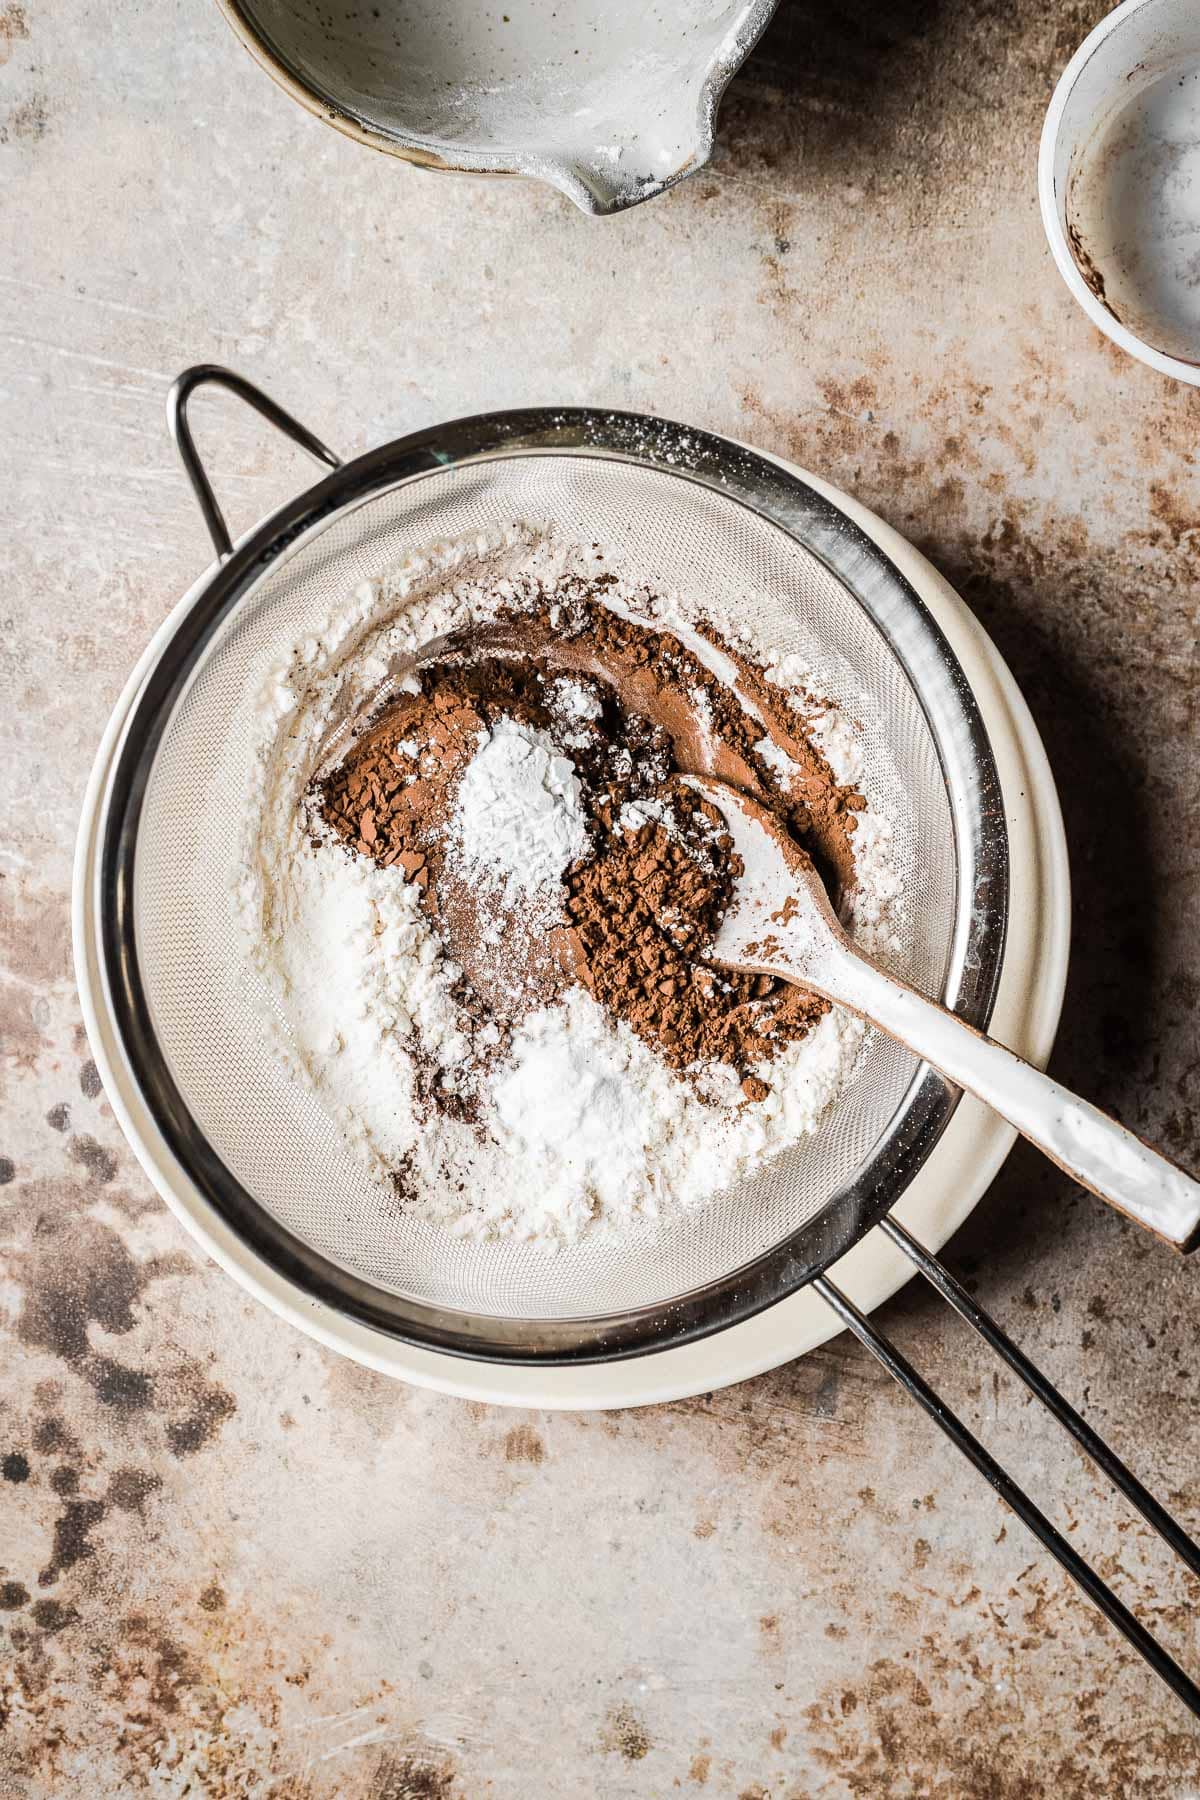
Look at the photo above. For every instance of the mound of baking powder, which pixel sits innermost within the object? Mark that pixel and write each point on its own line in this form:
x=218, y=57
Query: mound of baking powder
x=519, y=821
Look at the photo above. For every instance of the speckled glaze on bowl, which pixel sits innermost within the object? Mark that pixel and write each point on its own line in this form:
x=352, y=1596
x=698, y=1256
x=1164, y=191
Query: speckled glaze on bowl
x=610, y=101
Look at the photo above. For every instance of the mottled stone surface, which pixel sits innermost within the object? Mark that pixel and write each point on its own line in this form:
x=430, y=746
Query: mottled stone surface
x=230, y=1563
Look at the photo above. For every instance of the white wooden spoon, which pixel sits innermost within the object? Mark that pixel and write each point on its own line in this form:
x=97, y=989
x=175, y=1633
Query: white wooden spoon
x=781, y=923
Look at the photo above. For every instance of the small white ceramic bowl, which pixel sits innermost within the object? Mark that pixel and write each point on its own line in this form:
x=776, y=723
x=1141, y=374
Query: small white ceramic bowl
x=1119, y=181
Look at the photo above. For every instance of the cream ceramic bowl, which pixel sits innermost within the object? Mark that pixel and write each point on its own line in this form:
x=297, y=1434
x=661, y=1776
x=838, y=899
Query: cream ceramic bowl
x=943, y=1193
x=610, y=101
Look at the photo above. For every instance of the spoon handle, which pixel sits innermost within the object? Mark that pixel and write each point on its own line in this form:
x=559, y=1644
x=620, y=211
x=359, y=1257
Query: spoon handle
x=1090, y=1146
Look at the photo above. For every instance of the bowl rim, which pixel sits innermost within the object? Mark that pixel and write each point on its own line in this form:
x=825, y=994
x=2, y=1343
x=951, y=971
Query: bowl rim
x=1121, y=18
x=106, y=937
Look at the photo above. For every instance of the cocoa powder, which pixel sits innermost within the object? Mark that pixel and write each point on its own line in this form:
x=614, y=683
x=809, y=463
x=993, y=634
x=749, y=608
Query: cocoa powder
x=644, y=911
x=639, y=910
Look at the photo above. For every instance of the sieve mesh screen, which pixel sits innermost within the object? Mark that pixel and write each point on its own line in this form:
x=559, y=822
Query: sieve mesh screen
x=206, y=997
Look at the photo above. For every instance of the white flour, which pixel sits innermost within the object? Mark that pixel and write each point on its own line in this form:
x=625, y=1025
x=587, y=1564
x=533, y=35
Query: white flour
x=571, y=700
x=519, y=821
x=583, y=1130
x=776, y=757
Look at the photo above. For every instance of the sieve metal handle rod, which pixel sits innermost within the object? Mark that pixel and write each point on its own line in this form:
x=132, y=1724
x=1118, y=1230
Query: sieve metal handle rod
x=1089, y=1441
x=1031, y=1516
x=213, y=375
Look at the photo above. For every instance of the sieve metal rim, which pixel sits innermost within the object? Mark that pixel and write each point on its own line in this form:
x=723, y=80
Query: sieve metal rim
x=887, y=601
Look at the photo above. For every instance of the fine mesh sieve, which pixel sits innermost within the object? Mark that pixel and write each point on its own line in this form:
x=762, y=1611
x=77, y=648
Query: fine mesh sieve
x=687, y=514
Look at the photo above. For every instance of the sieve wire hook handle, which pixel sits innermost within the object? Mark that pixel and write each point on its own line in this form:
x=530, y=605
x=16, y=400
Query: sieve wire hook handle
x=213, y=375
x=1031, y=1516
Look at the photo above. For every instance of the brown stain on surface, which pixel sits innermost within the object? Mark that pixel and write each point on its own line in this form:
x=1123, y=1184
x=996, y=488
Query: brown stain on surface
x=35, y=959
x=76, y=1273
x=27, y=123
x=78, y=1276
x=101, y=1164
x=14, y=28
x=129, y=1489
x=892, y=1736
x=375, y=1400
x=1178, y=517
x=410, y=1776
x=210, y=1407
x=210, y=1704
x=624, y=1734
x=51, y=1434
x=52, y=1616
x=72, y=1538
x=168, y=1670
x=523, y=1444
x=81, y=1288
